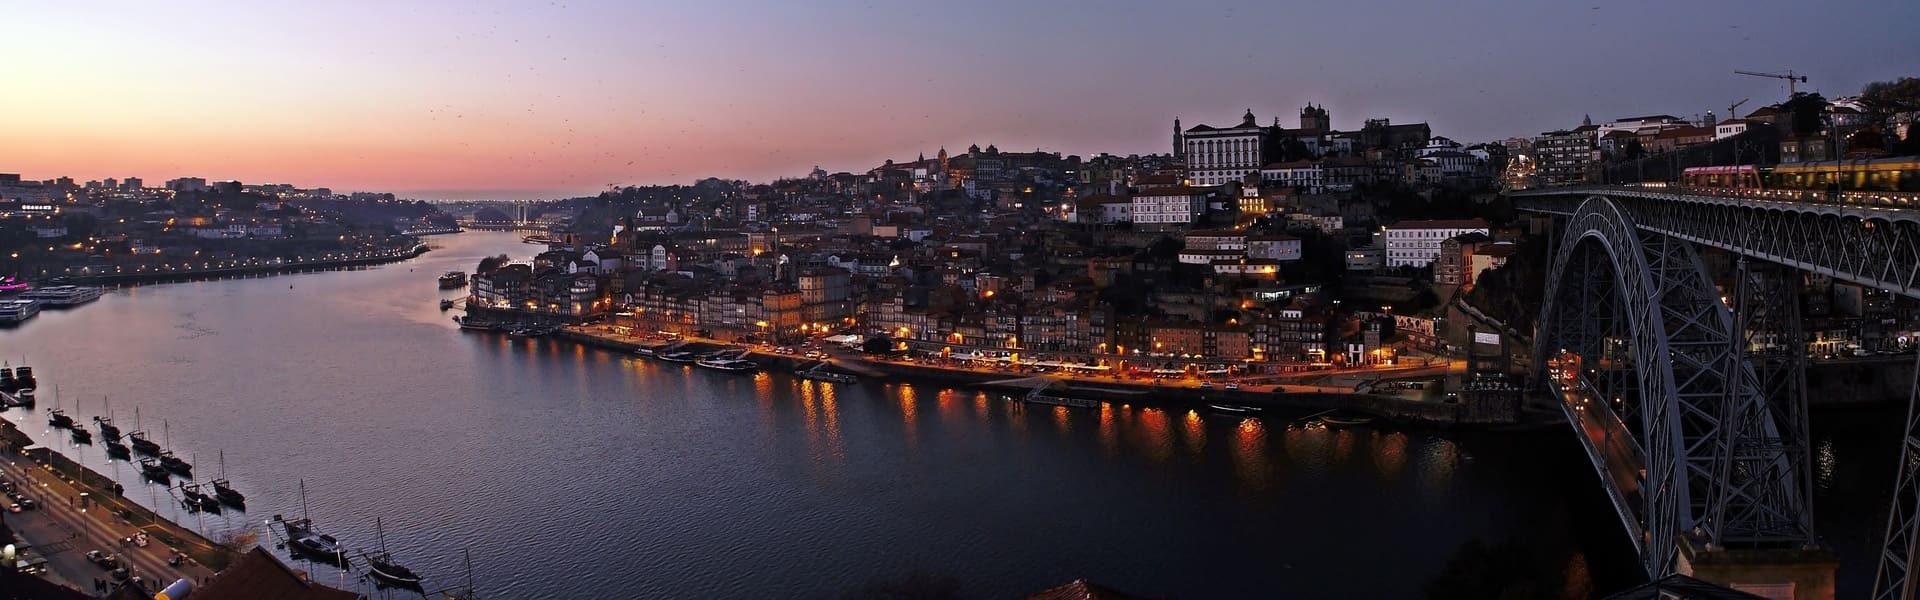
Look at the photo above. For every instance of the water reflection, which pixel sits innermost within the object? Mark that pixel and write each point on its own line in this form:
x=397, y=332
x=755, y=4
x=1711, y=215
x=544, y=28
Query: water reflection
x=1196, y=433
x=1389, y=454
x=1250, y=459
x=1156, y=435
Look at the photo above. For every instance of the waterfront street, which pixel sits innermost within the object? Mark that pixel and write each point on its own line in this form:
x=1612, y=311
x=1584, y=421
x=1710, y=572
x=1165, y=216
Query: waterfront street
x=63, y=532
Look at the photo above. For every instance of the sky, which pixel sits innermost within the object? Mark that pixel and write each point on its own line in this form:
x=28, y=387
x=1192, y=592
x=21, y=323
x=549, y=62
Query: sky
x=510, y=100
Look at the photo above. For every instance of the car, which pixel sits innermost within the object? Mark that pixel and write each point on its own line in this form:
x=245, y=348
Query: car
x=13, y=507
x=1206, y=384
x=28, y=503
x=1232, y=386
x=103, y=559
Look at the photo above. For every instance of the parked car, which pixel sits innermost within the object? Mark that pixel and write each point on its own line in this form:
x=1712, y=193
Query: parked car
x=1232, y=386
x=104, y=560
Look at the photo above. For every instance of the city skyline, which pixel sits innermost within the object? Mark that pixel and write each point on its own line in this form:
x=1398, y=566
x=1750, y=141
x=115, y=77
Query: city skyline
x=495, y=101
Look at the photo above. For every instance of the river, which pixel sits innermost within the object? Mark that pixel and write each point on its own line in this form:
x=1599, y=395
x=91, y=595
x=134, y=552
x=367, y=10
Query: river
x=572, y=472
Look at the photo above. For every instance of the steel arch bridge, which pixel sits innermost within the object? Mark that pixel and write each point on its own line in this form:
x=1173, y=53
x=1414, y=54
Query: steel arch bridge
x=1691, y=403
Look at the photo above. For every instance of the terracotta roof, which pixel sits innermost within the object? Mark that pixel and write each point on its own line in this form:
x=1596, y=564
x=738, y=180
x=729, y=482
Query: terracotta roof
x=260, y=576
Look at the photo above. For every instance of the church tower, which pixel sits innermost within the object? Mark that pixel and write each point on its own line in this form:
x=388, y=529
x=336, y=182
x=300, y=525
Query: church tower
x=1179, y=145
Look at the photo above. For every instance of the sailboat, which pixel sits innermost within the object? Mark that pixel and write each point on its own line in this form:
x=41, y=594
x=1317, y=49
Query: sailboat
x=465, y=593
x=152, y=471
x=382, y=565
x=167, y=459
x=223, y=491
x=57, y=418
x=304, y=541
x=107, y=430
x=196, y=500
x=139, y=438
x=80, y=434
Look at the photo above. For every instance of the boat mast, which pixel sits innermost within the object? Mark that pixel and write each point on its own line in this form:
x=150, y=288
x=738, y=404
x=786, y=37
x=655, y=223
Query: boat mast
x=223, y=464
x=303, y=499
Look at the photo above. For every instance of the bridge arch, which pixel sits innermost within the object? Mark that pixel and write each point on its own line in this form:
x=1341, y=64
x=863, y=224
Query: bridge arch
x=1656, y=345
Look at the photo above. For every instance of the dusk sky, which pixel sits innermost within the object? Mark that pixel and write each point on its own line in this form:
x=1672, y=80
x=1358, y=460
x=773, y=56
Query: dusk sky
x=496, y=100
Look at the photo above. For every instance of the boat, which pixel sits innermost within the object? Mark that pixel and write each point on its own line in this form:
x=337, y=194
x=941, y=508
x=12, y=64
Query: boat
x=1235, y=409
x=23, y=397
x=1061, y=401
x=303, y=540
x=1346, y=421
x=382, y=565
x=140, y=443
x=63, y=295
x=167, y=459
x=174, y=464
x=446, y=304
x=23, y=378
x=680, y=356
x=107, y=428
x=152, y=471
x=81, y=436
x=115, y=449
x=224, y=491
x=453, y=280
x=58, y=419
x=817, y=373
x=644, y=351
x=730, y=365
x=472, y=324
x=195, y=500
x=17, y=310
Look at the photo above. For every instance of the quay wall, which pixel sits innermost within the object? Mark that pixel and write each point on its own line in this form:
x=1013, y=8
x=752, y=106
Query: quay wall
x=197, y=275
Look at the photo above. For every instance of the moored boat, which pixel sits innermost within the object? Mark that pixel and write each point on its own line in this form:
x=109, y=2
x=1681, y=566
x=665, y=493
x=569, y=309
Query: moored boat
x=81, y=436
x=828, y=376
x=304, y=541
x=730, y=365
x=446, y=304
x=152, y=471
x=1345, y=420
x=472, y=324
x=58, y=419
x=453, y=280
x=63, y=295
x=115, y=449
x=232, y=497
x=680, y=356
x=107, y=430
x=141, y=444
x=17, y=310
x=1235, y=409
x=382, y=565
x=174, y=464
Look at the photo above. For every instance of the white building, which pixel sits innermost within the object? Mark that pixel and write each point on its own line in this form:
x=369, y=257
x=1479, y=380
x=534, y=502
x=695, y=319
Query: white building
x=1217, y=155
x=1101, y=209
x=1730, y=127
x=1417, y=243
x=1216, y=240
x=1169, y=207
x=1274, y=246
x=1307, y=175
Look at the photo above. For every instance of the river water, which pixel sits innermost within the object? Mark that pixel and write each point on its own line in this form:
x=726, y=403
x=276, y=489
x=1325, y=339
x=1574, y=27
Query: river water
x=572, y=472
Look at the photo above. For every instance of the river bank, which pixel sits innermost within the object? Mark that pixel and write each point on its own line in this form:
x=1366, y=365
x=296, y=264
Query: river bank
x=1177, y=395
x=269, y=268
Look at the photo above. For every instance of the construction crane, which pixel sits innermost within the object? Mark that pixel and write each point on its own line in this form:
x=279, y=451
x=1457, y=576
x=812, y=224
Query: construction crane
x=1733, y=109
x=1790, y=76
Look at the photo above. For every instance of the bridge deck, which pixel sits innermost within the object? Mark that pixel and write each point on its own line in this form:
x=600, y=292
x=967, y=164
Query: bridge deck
x=1611, y=449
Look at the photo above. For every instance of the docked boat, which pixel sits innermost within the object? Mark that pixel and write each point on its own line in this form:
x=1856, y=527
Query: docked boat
x=472, y=324
x=1062, y=401
x=1346, y=420
x=196, y=500
x=63, y=295
x=81, y=436
x=647, y=351
x=382, y=565
x=1235, y=409
x=304, y=541
x=453, y=280
x=115, y=449
x=17, y=310
x=23, y=397
x=817, y=374
x=731, y=365
x=58, y=419
x=680, y=356
x=152, y=471
x=141, y=444
x=174, y=464
x=446, y=304
x=107, y=430
x=232, y=497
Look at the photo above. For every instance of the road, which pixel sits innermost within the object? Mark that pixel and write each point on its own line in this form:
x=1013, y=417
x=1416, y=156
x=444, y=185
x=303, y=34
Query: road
x=63, y=532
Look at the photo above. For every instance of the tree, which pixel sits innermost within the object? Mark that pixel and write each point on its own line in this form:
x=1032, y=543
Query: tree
x=1632, y=150
x=878, y=344
x=491, y=263
x=1809, y=112
x=1886, y=100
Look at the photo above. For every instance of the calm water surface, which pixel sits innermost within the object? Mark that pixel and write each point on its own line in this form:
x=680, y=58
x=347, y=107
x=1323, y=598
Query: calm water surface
x=571, y=472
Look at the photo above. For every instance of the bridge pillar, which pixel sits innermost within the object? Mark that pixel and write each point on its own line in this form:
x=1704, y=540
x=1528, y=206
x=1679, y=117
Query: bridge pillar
x=1788, y=574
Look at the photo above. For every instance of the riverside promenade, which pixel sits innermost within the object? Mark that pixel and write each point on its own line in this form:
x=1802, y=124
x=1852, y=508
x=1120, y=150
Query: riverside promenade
x=1346, y=390
x=77, y=514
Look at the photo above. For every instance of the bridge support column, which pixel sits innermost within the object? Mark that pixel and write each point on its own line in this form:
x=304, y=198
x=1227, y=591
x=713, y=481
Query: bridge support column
x=1894, y=580
x=1800, y=574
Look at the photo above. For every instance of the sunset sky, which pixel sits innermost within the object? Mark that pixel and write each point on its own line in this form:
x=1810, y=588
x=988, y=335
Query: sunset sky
x=549, y=99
